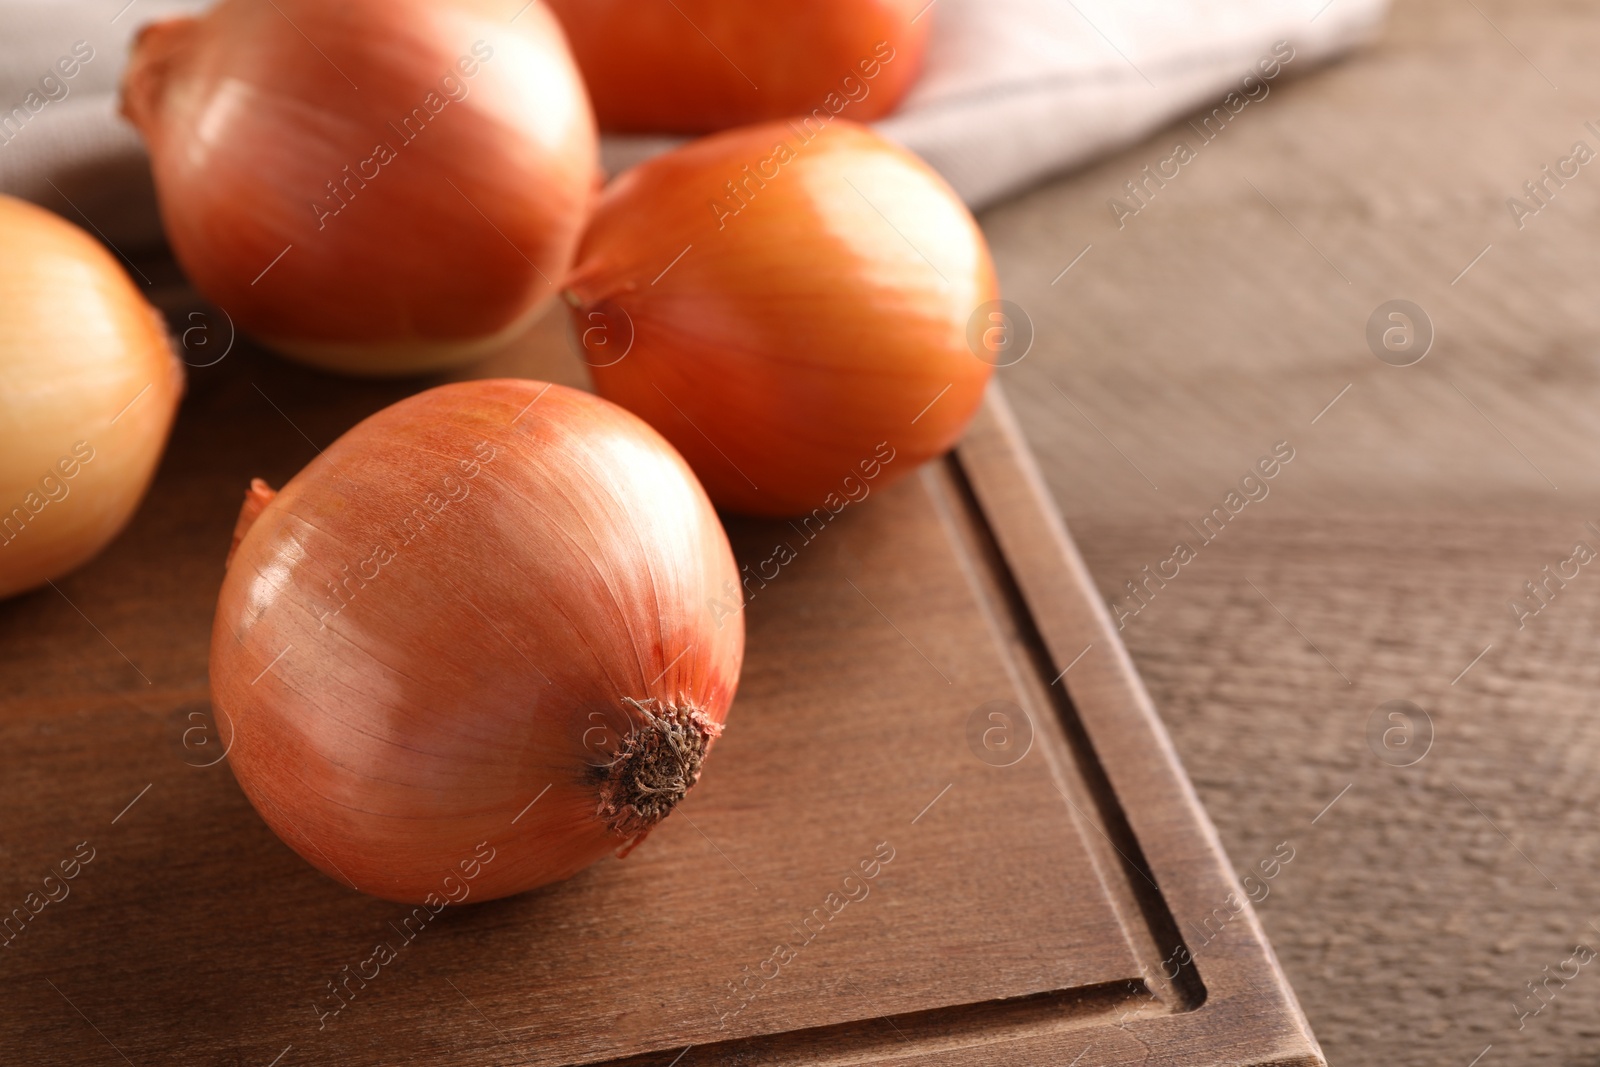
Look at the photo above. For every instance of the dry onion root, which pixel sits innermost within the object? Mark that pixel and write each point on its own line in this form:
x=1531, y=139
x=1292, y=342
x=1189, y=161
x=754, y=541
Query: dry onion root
x=89, y=386
x=485, y=614
x=371, y=186
x=798, y=302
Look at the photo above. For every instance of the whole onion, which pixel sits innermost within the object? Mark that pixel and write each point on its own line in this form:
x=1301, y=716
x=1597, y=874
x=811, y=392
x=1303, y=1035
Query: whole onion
x=371, y=186
x=89, y=385
x=496, y=612
x=788, y=307
x=695, y=66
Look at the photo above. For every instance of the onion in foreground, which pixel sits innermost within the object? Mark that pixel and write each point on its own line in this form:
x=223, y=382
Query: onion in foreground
x=372, y=186
x=790, y=308
x=486, y=616
x=89, y=386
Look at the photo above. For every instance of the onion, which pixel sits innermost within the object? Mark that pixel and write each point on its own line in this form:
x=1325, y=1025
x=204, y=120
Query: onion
x=371, y=186
x=694, y=66
x=494, y=613
x=88, y=388
x=798, y=310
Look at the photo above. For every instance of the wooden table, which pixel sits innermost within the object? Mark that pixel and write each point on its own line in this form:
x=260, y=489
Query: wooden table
x=1226, y=317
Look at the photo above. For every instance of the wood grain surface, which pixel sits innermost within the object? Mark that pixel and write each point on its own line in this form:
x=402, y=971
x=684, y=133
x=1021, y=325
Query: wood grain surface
x=1224, y=317
x=861, y=876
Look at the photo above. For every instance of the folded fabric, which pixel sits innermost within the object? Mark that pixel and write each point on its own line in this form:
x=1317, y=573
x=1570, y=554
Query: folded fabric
x=1012, y=90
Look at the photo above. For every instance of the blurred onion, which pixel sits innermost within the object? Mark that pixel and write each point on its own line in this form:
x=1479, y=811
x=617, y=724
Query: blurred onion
x=89, y=385
x=696, y=66
x=371, y=186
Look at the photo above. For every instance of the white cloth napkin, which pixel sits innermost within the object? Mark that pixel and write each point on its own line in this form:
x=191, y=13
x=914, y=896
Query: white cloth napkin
x=1012, y=90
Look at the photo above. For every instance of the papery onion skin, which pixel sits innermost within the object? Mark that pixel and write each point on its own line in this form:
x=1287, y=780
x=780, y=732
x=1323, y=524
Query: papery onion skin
x=796, y=337
x=89, y=386
x=387, y=724
x=697, y=66
x=267, y=124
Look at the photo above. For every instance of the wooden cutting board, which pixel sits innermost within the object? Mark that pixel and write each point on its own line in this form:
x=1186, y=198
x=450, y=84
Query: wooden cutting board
x=944, y=826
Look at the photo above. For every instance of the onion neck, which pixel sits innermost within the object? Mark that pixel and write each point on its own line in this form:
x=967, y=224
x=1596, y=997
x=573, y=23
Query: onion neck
x=256, y=499
x=157, y=51
x=590, y=282
x=654, y=767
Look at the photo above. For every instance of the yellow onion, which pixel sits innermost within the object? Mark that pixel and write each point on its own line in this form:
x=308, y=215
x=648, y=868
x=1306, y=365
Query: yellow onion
x=371, y=186
x=789, y=304
x=88, y=388
x=694, y=66
x=490, y=626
